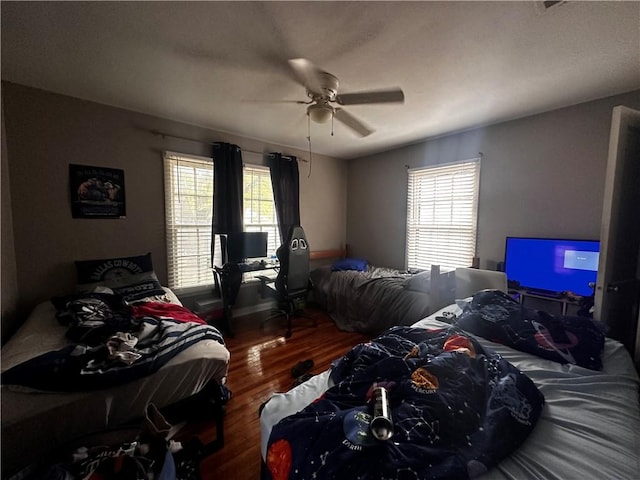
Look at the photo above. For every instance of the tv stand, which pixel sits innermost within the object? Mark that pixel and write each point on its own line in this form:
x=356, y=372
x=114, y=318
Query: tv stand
x=544, y=293
x=561, y=300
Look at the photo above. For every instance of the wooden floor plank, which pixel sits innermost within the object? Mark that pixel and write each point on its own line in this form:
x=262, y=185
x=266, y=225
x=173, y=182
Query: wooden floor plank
x=260, y=365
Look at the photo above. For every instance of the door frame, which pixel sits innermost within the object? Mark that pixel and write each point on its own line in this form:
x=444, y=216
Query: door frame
x=622, y=118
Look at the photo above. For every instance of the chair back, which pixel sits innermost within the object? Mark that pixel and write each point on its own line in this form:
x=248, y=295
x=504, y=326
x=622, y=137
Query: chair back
x=294, y=263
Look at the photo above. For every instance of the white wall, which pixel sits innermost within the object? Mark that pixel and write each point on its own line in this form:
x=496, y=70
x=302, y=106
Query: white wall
x=540, y=176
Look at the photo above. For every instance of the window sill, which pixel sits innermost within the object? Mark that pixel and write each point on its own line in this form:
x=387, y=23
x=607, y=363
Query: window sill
x=195, y=290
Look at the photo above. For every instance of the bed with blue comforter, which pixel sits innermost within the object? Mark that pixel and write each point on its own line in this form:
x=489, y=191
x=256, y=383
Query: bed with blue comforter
x=458, y=408
x=494, y=391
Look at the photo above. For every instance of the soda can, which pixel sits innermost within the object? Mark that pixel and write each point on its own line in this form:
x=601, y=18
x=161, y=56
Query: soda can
x=381, y=423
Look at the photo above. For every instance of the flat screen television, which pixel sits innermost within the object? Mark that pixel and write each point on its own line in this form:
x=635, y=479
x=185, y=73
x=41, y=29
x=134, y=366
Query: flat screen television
x=243, y=245
x=551, y=265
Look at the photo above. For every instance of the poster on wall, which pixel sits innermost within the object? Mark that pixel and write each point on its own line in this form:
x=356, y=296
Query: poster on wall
x=97, y=192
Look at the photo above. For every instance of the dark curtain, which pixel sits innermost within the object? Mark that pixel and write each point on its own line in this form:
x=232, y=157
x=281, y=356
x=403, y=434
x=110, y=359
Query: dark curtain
x=227, y=190
x=286, y=191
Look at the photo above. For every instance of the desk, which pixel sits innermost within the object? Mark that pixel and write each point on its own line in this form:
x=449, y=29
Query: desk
x=228, y=279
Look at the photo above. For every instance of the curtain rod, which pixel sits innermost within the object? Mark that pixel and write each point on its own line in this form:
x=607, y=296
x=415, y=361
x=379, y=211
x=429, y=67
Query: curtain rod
x=162, y=134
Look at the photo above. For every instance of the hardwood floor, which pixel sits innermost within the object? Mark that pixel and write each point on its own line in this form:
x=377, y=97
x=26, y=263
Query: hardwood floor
x=261, y=362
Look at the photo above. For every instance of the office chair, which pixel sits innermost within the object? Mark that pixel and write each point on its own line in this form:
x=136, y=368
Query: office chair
x=292, y=282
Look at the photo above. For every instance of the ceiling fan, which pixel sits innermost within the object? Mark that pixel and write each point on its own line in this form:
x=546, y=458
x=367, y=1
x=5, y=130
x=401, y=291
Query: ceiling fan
x=322, y=90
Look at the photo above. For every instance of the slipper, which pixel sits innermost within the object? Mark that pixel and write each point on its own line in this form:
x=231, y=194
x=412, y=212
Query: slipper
x=301, y=368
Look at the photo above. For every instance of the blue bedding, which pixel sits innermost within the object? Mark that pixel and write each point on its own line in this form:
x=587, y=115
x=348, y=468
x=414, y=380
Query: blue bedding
x=496, y=316
x=457, y=409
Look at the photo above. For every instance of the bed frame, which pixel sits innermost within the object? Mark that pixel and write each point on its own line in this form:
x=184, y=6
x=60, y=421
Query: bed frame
x=40, y=423
x=316, y=255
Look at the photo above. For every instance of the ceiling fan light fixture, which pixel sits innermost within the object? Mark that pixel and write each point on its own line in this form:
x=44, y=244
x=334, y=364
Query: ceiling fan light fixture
x=322, y=90
x=320, y=113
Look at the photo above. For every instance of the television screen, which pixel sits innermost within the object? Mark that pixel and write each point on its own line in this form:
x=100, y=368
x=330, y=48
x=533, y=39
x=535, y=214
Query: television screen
x=552, y=265
x=243, y=245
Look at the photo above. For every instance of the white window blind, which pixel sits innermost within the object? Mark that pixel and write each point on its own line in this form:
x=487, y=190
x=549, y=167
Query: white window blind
x=188, y=207
x=259, y=206
x=260, y=209
x=442, y=213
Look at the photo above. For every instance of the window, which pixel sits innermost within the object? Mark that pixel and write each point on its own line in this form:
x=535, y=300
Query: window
x=442, y=210
x=260, y=210
x=189, y=209
x=188, y=184
x=259, y=206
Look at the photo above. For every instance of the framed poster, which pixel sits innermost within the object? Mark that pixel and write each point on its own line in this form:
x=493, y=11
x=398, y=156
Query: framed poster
x=97, y=192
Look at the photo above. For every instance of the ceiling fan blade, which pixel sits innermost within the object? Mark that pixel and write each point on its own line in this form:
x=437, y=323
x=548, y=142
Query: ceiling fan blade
x=352, y=122
x=394, y=95
x=307, y=74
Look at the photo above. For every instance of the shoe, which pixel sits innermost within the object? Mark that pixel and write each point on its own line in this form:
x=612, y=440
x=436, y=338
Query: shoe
x=301, y=368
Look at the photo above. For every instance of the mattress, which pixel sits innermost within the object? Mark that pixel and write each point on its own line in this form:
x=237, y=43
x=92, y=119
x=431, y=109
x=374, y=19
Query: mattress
x=34, y=422
x=589, y=428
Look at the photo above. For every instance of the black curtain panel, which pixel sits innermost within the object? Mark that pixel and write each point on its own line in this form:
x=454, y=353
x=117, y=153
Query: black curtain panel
x=227, y=190
x=286, y=191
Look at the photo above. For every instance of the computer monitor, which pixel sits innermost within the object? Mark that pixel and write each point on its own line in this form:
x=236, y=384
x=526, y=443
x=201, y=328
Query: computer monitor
x=243, y=245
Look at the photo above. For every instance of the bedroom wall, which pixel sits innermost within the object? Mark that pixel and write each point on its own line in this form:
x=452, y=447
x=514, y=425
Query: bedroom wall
x=540, y=176
x=46, y=132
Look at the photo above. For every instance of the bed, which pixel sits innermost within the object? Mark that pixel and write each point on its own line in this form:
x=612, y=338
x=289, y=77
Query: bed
x=369, y=299
x=36, y=420
x=588, y=425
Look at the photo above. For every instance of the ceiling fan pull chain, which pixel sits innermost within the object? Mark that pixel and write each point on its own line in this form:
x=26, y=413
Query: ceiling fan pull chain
x=332, y=124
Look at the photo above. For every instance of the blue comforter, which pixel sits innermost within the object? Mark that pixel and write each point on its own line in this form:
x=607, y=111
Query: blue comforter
x=496, y=316
x=457, y=409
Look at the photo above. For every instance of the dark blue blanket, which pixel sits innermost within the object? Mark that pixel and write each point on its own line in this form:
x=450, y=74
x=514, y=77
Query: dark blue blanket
x=496, y=316
x=457, y=409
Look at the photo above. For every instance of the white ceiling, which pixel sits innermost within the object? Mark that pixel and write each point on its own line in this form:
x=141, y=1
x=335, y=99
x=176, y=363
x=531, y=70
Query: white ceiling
x=221, y=64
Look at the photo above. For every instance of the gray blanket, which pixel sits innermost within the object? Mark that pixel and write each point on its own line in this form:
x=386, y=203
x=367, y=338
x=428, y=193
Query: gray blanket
x=370, y=301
